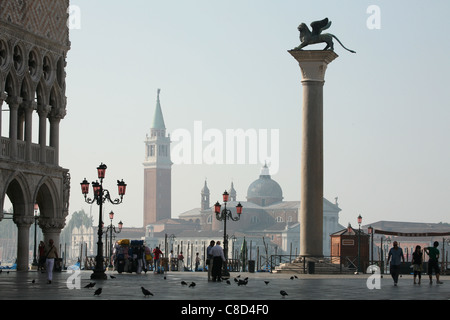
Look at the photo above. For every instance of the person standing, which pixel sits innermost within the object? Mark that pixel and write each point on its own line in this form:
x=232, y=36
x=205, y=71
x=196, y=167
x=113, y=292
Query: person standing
x=197, y=261
x=433, y=264
x=209, y=258
x=396, y=254
x=417, y=259
x=181, y=261
x=41, y=261
x=52, y=254
x=156, y=259
x=218, y=259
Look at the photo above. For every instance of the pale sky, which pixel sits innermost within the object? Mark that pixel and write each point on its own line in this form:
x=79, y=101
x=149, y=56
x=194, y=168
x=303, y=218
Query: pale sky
x=225, y=64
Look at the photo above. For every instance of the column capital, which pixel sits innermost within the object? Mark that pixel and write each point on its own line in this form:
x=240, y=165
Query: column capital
x=58, y=114
x=313, y=63
x=29, y=105
x=51, y=224
x=23, y=221
x=43, y=109
x=14, y=101
x=3, y=96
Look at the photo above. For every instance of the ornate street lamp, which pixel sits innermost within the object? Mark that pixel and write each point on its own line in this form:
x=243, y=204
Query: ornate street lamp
x=100, y=197
x=36, y=218
x=370, y=231
x=359, y=242
x=224, y=215
x=112, y=229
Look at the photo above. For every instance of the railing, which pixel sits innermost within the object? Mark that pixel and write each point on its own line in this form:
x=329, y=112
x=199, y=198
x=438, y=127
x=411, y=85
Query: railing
x=5, y=152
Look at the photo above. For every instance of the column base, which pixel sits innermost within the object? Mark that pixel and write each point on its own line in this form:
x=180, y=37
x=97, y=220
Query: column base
x=99, y=275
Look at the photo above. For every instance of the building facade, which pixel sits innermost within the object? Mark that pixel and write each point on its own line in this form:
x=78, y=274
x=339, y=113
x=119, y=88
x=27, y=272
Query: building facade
x=34, y=41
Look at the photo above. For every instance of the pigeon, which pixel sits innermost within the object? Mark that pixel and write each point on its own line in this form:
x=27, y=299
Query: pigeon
x=33, y=281
x=90, y=285
x=266, y=282
x=112, y=277
x=292, y=278
x=283, y=293
x=242, y=282
x=183, y=283
x=295, y=276
x=228, y=282
x=146, y=292
x=98, y=292
x=192, y=285
x=236, y=280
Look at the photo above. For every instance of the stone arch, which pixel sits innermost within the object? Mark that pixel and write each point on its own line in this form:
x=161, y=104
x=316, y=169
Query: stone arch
x=40, y=95
x=11, y=85
x=46, y=196
x=19, y=195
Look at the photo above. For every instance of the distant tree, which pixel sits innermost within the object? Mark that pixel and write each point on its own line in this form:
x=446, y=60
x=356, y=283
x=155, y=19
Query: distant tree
x=78, y=219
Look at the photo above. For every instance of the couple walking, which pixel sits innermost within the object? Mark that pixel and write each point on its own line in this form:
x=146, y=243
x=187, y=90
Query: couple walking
x=216, y=258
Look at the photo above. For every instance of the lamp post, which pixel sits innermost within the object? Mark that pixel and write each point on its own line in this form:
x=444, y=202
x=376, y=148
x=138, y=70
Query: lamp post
x=370, y=231
x=359, y=242
x=224, y=215
x=36, y=218
x=100, y=196
x=112, y=229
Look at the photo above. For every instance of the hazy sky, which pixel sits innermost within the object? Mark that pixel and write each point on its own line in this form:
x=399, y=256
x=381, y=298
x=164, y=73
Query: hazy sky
x=225, y=64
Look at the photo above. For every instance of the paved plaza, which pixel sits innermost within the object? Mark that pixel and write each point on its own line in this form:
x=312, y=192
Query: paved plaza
x=127, y=286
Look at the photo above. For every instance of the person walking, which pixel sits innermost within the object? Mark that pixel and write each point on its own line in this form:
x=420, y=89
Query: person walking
x=209, y=258
x=417, y=259
x=395, y=256
x=197, y=261
x=218, y=259
x=181, y=261
x=52, y=254
x=433, y=264
x=41, y=261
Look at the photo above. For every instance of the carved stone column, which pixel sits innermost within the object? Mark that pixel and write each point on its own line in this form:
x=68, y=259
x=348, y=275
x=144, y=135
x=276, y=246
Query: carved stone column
x=43, y=113
x=55, y=119
x=13, y=103
x=29, y=107
x=313, y=65
x=23, y=228
x=3, y=97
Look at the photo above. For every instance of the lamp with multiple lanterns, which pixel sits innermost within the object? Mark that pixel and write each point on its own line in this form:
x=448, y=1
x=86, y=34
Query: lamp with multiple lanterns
x=101, y=195
x=111, y=228
x=223, y=215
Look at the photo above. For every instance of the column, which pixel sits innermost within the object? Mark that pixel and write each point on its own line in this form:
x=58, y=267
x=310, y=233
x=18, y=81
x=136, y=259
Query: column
x=23, y=229
x=13, y=103
x=43, y=113
x=51, y=229
x=3, y=97
x=313, y=65
x=54, y=133
x=29, y=107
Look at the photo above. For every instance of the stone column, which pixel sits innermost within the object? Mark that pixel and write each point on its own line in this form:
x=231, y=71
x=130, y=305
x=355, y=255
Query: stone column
x=29, y=107
x=313, y=65
x=23, y=229
x=51, y=229
x=3, y=97
x=43, y=113
x=54, y=133
x=13, y=103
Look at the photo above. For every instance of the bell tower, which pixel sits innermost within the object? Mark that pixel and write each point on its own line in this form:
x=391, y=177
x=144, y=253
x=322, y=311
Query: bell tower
x=157, y=170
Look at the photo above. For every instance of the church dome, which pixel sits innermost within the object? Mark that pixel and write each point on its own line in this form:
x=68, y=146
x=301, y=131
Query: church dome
x=264, y=191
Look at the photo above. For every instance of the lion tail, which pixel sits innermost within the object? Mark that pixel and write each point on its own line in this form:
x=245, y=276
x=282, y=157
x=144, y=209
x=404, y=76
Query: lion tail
x=342, y=44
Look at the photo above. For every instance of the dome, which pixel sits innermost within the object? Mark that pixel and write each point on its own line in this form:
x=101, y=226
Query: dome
x=264, y=191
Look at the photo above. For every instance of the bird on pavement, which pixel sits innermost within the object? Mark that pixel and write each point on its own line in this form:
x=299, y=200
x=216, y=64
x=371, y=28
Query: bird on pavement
x=90, y=285
x=98, y=292
x=112, y=277
x=266, y=282
x=183, y=283
x=146, y=292
x=228, y=282
x=283, y=293
x=242, y=282
x=192, y=285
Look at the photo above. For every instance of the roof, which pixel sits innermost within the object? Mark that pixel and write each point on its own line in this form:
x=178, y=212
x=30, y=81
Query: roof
x=158, y=119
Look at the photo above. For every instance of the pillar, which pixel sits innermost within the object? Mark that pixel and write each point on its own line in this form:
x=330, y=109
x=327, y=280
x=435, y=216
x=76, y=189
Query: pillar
x=54, y=133
x=23, y=230
x=313, y=64
x=3, y=97
x=43, y=113
x=29, y=107
x=13, y=103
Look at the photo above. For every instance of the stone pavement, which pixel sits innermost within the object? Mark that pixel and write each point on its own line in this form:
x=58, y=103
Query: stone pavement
x=127, y=286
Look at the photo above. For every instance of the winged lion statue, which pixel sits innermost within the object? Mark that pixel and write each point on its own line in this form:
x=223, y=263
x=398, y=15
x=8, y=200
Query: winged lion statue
x=308, y=37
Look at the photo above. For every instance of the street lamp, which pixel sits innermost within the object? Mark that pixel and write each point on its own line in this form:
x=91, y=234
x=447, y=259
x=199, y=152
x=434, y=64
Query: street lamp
x=36, y=218
x=100, y=196
x=359, y=242
x=224, y=215
x=112, y=229
x=370, y=231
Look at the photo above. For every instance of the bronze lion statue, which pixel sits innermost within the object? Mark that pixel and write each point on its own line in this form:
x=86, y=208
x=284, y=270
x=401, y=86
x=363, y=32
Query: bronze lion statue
x=308, y=37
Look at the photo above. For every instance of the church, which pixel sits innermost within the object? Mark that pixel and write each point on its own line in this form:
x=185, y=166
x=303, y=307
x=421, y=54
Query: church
x=267, y=219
